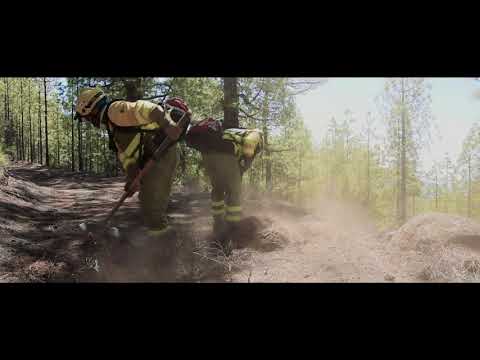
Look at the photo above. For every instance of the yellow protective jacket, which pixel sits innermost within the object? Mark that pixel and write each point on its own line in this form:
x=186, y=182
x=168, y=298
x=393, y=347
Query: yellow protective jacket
x=132, y=125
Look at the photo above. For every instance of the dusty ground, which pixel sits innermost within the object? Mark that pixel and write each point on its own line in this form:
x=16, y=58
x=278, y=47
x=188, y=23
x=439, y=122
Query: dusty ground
x=40, y=210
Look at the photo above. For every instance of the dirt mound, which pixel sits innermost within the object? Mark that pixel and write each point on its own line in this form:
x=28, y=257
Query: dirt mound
x=438, y=247
x=427, y=231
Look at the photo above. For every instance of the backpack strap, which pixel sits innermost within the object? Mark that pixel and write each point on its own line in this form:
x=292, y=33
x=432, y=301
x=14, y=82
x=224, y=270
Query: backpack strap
x=104, y=119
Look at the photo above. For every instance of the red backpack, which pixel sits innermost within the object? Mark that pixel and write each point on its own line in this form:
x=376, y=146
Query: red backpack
x=206, y=136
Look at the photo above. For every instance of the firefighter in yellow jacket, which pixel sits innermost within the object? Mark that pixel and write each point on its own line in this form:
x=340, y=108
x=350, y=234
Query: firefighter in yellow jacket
x=136, y=128
x=226, y=155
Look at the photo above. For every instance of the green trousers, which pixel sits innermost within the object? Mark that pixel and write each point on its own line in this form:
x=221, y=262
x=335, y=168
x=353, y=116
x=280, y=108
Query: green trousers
x=155, y=191
x=224, y=173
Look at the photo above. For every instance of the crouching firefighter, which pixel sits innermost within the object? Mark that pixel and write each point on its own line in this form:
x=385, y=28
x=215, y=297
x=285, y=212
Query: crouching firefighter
x=135, y=130
x=226, y=155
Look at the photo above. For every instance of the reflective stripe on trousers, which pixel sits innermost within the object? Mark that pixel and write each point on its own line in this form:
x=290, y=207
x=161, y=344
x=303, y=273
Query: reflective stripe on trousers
x=218, y=208
x=234, y=213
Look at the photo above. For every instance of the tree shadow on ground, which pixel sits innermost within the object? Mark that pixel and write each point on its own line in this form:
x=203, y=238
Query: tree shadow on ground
x=47, y=227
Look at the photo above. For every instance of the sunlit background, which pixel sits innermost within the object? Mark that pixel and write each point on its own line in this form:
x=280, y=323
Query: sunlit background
x=454, y=108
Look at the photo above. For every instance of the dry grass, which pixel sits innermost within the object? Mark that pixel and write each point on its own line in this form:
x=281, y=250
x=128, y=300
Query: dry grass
x=45, y=271
x=451, y=264
x=426, y=231
x=425, y=243
x=211, y=262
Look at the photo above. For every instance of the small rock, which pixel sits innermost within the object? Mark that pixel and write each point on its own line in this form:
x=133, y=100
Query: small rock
x=389, y=277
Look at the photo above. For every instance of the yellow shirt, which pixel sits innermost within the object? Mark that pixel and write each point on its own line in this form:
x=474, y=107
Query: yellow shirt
x=127, y=113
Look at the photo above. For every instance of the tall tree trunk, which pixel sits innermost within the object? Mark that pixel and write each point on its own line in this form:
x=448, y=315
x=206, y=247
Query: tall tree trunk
x=90, y=150
x=230, y=94
x=80, y=146
x=100, y=162
x=268, y=161
x=47, y=155
x=403, y=168
x=104, y=157
x=17, y=136
x=32, y=151
x=80, y=142
x=40, y=149
x=58, y=138
x=86, y=154
x=72, y=155
x=21, y=114
x=436, y=190
x=9, y=129
x=5, y=111
x=133, y=89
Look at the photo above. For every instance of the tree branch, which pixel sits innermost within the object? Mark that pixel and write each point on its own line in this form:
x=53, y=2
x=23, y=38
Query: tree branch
x=250, y=116
x=163, y=96
x=249, y=102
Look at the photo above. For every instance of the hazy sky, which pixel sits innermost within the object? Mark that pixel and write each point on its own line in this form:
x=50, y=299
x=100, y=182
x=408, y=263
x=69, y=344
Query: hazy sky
x=454, y=108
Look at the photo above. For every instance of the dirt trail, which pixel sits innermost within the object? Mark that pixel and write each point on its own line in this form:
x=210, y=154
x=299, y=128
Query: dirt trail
x=322, y=247
x=40, y=210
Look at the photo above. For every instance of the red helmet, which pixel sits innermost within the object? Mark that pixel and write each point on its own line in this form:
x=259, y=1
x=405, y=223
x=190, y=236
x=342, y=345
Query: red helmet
x=176, y=102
